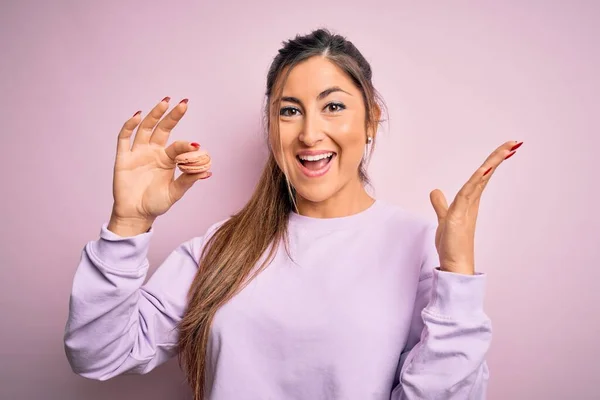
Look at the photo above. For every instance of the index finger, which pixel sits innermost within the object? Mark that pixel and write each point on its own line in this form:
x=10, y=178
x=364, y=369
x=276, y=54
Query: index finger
x=479, y=179
x=502, y=153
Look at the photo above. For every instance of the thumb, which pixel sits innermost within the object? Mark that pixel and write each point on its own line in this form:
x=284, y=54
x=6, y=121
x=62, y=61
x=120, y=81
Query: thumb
x=184, y=182
x=439, y=203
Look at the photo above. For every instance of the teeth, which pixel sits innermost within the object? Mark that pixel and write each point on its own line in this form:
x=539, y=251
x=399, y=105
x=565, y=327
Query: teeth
x=316, y=158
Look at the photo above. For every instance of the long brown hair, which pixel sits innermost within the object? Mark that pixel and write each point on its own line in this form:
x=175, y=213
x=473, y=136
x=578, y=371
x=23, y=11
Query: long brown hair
x=231, y=254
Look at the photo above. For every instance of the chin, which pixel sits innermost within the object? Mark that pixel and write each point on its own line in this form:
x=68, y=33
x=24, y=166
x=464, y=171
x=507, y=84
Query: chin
x=315, y=193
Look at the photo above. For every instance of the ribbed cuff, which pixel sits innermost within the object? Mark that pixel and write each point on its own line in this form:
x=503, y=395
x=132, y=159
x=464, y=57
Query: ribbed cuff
x=121, y=253
x=457, y=296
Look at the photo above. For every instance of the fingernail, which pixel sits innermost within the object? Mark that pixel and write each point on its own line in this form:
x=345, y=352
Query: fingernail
x=516, y=146
x=487, y=172
x=137, y=113
x=184, y=101
x=194, y=144
x=512, y=153
x=167, y=99
x=207, y=176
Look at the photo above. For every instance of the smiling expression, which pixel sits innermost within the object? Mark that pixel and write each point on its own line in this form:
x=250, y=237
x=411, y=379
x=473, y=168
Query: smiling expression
x=322, y=131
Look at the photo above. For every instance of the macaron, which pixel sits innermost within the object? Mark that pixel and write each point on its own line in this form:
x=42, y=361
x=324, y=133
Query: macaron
x=193, y=162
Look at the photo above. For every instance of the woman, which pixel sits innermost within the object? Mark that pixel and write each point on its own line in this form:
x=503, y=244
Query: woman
x=314, y=290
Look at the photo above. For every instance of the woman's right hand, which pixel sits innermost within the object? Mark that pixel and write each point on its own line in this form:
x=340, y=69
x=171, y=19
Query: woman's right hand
x=144, y=184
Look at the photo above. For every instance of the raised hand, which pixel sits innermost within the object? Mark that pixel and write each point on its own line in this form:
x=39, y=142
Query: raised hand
x=144, y=184
x=455, y=235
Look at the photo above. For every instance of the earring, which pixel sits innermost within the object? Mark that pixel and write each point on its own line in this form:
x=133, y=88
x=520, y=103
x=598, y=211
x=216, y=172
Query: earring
x=367, y=148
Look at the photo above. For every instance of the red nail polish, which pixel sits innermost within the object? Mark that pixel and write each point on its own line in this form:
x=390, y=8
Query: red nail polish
x=207, y=176
x=487, y=172
x=184, y=101
x=510, y=155
x=196, y=145
x=137, y=113
x=516, y=146
x=167, y=99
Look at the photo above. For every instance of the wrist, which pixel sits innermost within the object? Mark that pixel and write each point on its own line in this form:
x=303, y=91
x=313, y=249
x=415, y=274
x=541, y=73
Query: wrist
x=464, y=270
x=126, y=227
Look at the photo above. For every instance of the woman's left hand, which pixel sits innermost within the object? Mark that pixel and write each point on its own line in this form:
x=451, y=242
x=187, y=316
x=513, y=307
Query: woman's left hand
x=455, y=234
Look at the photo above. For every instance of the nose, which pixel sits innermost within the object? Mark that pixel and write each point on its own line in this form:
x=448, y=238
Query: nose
x=312, y=132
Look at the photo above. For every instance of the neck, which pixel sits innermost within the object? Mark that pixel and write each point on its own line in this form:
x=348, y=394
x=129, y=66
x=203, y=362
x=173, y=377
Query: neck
x=351, y=199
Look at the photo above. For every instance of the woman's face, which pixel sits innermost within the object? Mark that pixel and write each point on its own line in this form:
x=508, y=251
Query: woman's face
x=322, y=131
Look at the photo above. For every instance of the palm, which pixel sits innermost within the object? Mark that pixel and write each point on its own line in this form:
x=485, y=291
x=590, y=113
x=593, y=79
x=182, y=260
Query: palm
x=144, y=184
x=142, y=181
x=453, y=240
x=455, y=234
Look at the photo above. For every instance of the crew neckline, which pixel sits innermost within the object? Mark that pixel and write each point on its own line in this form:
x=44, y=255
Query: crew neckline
x=335, y=222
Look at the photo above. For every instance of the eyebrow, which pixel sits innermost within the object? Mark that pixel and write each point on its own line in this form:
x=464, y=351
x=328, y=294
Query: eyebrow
x=321, y=95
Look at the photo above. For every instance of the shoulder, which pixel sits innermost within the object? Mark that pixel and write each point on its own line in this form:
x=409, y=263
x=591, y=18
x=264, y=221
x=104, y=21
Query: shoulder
x=196, y=244
x=411, y=233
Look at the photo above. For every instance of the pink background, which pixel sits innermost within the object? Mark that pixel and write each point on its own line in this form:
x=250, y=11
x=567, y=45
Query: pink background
x=458, y=80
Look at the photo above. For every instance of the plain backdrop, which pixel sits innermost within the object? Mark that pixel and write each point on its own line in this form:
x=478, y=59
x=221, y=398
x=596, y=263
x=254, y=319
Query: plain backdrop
x=459, y=78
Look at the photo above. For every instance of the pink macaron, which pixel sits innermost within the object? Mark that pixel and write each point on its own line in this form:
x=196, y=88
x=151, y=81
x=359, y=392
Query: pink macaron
x=193, y=162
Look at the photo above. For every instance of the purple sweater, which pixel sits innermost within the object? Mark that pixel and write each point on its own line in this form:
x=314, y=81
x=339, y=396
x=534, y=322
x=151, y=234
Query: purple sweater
x=362, y=312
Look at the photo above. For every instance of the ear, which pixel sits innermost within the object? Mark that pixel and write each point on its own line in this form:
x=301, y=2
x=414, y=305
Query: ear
x=375, y=118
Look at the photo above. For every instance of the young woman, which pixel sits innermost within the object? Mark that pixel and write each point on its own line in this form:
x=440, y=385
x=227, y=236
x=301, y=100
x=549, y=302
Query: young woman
x=314, y=290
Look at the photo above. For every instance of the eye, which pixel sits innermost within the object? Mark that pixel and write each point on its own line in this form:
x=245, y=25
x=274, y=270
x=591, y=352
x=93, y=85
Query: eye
x=335, y=107
x=289, y=111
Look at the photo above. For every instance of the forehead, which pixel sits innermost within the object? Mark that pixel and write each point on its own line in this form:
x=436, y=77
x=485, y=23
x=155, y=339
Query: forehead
x=314, y=75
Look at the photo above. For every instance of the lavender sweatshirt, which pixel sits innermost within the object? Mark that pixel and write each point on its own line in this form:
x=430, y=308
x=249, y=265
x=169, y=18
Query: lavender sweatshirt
x=362, y=312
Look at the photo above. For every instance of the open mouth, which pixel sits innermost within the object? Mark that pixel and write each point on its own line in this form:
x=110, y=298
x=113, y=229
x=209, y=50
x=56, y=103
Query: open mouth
x=315, y=165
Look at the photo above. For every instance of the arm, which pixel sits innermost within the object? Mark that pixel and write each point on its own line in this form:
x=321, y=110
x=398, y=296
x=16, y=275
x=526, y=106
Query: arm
x=449, y=337
x=115, y=325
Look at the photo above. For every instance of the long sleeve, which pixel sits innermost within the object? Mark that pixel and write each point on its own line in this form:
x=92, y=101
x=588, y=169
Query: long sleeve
x=116, y=324
x=449, y=337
